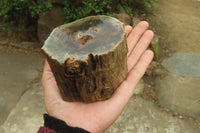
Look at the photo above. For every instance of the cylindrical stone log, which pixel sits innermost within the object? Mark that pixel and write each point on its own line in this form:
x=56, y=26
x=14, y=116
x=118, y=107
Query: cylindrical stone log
x=88, y=58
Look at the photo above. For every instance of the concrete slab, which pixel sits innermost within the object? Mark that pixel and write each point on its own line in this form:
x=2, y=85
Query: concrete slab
x=16, y=72
x=141, y=116
x=183, y=64
x=179, y=90
x=27, y=116
x=180, y=94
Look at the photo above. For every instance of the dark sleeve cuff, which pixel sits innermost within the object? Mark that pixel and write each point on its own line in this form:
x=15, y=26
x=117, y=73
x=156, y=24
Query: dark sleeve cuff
x=60, y=126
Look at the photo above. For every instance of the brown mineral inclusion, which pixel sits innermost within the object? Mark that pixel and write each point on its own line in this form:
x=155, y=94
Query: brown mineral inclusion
x=88, y=58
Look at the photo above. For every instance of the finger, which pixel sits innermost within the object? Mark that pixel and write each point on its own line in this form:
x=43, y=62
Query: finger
x=138, y=71
x=50, y=87
x=128, y=29
x=126, y=89
x=139, y=49
x=135, y=35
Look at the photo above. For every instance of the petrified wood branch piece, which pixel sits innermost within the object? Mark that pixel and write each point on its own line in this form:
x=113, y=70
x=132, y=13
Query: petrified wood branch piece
x=88, y=58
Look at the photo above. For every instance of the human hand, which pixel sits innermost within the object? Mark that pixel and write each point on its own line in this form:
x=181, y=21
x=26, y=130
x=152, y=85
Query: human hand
x=98, y=116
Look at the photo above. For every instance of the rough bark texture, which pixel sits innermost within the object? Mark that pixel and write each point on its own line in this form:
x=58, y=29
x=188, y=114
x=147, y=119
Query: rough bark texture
x=96, y=77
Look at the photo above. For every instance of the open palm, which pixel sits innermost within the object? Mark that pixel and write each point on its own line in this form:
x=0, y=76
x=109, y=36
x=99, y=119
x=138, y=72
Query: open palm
x=98, y=116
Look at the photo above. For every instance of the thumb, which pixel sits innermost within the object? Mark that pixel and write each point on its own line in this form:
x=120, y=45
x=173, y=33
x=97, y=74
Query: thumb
x=51, y=91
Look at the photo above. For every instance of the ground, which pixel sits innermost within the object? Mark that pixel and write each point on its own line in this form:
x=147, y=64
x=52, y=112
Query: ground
x=176, y=23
